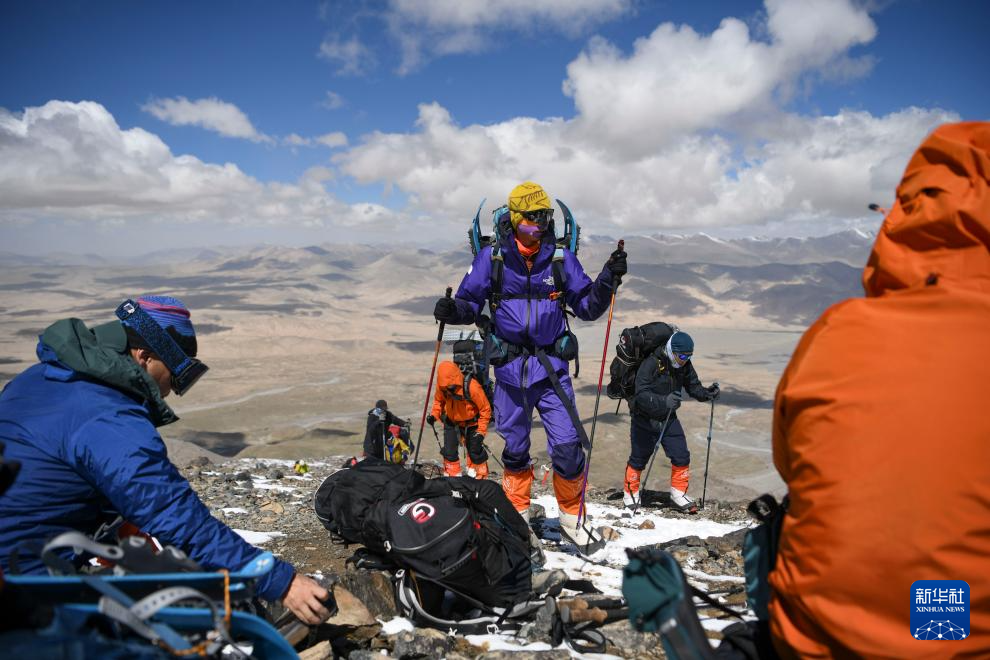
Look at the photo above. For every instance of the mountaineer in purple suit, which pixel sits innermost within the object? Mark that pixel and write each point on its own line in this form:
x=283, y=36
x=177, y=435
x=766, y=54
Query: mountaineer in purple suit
x=533, y=343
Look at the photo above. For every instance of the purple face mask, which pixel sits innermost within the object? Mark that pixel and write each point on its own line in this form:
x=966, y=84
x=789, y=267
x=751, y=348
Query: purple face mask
x=530, y=230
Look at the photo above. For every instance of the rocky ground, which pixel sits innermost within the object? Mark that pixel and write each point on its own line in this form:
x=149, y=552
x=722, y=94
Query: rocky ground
x=272, y=507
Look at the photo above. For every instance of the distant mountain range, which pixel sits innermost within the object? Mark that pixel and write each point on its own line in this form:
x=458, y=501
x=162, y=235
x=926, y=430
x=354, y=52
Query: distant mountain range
x=786, y=281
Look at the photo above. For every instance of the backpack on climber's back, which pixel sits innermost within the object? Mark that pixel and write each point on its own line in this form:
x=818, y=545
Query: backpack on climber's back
x=469, y=356
x=635, y=345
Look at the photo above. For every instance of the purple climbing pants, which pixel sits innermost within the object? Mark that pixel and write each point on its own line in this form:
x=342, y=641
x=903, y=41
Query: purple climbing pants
x=514, y=421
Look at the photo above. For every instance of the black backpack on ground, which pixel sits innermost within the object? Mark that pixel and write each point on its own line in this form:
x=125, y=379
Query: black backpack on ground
x=349, y=499
x=457, y=532
x=464, y=535
x=635, y=344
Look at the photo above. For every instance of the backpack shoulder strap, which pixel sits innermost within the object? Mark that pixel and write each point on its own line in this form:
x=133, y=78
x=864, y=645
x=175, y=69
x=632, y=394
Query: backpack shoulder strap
x=559, y=279
x=498, y=269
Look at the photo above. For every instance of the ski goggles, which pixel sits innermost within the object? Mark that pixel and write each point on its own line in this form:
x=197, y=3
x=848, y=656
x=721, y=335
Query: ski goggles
x=184, y=370
x=540, y=217
x=681, y=358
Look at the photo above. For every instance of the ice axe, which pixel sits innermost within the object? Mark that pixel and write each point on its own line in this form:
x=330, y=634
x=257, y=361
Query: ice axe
x=437, y=436
x=598, y=396
x=429, y=388
x=708, y=453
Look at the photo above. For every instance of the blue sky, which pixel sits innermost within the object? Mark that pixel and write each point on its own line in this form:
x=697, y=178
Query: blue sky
x=183, y=124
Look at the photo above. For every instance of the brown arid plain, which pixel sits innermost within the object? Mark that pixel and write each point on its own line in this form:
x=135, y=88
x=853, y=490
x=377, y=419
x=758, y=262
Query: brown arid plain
x=302, y=341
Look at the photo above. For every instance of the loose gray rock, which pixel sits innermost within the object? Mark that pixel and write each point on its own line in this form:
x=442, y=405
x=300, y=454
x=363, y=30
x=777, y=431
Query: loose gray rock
x=555, y=654
x=624, y=641
x=687, y=554
x=730, y=542
x=541, y=628
x=421, y=643
x=609, y=533
x=364, y=654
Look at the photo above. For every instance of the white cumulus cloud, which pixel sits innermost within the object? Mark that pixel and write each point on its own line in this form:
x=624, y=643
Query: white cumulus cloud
x=685, y=130
x=72, y=161
x=677, y=81
x=825, y=168
x=211, y=113
x=332, y=140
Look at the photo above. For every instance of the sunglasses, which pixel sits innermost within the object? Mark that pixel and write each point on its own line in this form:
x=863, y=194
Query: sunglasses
x=541, y=217
x=683, y=357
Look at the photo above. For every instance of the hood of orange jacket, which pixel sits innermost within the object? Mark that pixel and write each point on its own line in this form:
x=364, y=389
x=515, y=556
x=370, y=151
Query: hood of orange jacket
x=939, y=226
x=449, y=376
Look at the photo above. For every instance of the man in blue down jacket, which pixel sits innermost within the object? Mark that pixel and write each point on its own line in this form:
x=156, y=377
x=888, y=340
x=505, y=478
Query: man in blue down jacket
x=528, y=315
x=82, y=425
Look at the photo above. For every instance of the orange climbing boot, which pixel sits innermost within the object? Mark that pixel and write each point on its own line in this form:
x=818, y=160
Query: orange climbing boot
x=477, y=470
x=517, y=487
x=630, y=488
x=680, y=475
x=568, y=492
x=452, y=468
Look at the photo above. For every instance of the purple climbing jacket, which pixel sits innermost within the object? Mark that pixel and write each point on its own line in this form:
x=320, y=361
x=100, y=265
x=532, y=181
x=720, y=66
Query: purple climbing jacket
x=536, y=322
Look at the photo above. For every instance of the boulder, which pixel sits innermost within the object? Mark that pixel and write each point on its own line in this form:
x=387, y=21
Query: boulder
x=351, y=611
x=373, y=589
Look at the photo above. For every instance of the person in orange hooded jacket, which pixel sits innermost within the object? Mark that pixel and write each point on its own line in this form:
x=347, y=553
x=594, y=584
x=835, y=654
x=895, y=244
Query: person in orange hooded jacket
x=465, y=417
x=880, y=429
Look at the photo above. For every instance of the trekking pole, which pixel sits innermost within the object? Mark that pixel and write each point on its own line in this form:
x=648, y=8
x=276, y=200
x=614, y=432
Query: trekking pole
x=598, y=396
x=437, y=436
x=429, y=388
x=642, y=485
x=708, y=453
